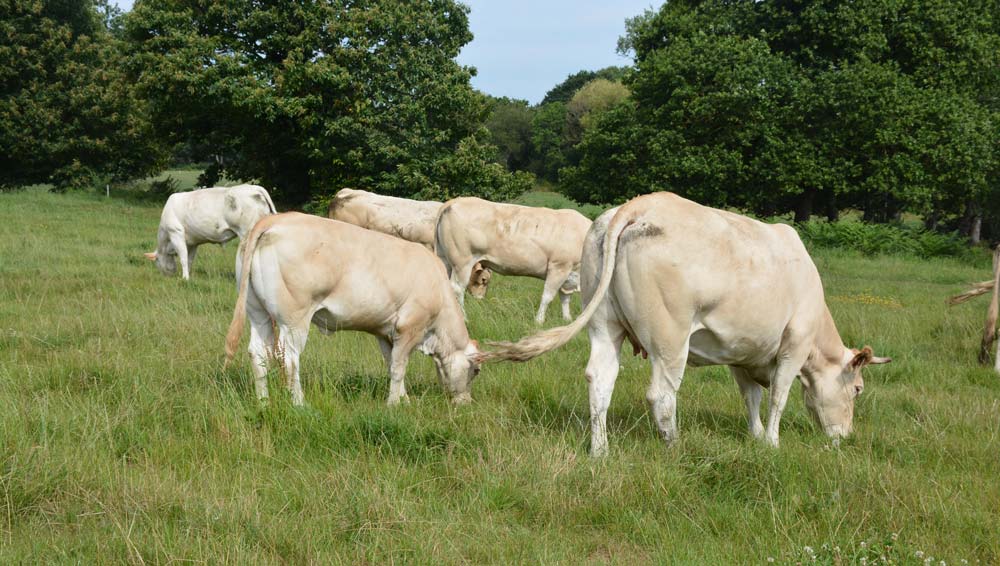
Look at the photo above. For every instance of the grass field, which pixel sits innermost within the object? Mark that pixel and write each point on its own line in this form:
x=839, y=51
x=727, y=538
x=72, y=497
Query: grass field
x=124, y=440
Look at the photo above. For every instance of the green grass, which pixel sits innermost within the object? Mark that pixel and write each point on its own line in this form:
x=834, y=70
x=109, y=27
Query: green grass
x=124, y=440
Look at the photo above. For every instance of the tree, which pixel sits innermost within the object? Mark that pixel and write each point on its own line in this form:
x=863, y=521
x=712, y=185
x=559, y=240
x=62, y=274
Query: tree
x=311, y=97
x=67, y=116
x=510, y=131
x=807, y=106
x=548, y=137
x=565, y=90
x=591, y=99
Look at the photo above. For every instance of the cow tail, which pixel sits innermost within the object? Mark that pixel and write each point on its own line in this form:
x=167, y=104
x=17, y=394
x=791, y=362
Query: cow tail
x=240, y=310
x=270, y=203
x=547, y=340
x=990, y=328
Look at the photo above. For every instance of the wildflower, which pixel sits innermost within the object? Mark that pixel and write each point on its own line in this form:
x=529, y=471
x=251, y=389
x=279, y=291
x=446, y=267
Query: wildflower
x=919, y=554
x=928, y=560
x=836, y=549
x=864, y=545
x=770, y=559
x=809, y=550
x=863, y=561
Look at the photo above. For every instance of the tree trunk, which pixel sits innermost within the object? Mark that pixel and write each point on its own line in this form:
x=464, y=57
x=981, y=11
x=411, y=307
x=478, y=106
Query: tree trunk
x=977, y=228
x=931, y=220
x=832, y=212
x=804, y=206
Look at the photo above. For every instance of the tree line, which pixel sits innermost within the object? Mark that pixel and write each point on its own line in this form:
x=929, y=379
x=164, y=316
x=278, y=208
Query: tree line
x=773, y=107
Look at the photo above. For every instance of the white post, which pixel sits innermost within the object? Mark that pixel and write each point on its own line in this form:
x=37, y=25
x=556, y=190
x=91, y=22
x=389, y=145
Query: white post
x=107, y=191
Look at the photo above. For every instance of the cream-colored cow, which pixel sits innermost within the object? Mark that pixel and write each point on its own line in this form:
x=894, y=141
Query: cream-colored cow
x=411, y=220
x=205, y=216
x=512, y=240
x=297, y=269
x=692, y=285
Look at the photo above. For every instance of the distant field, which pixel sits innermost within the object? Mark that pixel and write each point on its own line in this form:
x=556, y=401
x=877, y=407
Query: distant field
x=124, y=440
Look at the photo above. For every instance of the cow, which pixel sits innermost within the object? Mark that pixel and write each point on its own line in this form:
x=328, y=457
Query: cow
x=512, y=240
x=296, y=269
x=992, y=312
x=411, y=220
x=213, y=215
x=691, y=285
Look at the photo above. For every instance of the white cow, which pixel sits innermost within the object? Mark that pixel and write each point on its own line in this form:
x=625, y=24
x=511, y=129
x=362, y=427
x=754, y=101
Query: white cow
x=411, y=220
x=214, y=215
x=512, y=240
x=296, y=269
x=692, y=285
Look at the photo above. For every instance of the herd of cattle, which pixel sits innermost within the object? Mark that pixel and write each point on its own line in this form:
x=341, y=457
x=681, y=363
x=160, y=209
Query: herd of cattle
x=685, y=284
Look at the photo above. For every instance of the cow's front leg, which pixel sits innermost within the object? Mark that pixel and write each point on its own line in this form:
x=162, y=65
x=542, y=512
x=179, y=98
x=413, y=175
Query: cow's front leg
x=402, y=346
x=181, y=251
x=781, y=383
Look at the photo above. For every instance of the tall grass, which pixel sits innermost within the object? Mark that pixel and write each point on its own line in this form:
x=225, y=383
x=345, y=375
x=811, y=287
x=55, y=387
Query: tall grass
x=888, y=239
x=122, y=438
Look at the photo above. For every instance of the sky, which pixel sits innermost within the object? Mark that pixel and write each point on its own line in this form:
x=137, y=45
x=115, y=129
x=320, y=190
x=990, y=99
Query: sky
x=523, y=48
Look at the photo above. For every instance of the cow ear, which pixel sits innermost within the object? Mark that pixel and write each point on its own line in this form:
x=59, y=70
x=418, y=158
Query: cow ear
x=861, y=358
x=151, y=256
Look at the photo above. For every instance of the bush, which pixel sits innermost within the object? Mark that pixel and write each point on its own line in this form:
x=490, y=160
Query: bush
x=557, y=201
x=873, y=239
x=164, y=187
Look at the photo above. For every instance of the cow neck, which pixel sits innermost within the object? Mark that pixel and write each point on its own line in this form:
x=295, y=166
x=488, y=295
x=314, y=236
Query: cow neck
x=828, y=349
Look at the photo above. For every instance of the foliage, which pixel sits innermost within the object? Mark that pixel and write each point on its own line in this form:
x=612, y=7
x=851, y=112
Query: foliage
x=599, y=95
x=886, y=239
x=783, y=105
x=509, y=125
x=564, y=91
x=548, y=199
x=312, y=97
x=67, y=114
x=548, y=135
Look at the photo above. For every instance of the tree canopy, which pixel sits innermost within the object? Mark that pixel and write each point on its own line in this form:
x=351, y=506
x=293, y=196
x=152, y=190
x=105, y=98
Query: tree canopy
x=67, y=114
x=806, y=106
x=311, y=97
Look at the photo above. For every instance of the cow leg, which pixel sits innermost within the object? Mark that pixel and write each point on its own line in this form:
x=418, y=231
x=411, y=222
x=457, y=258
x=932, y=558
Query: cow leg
x=192, y=251
x=781, y=383
x=180, y=249
x=752, y=393
x=602, y=371
x=261, y=344
x=460, y=280
x=291, y=342
x=668, y=351
x=385, y=346
x=400, y=356
x=564, y=299
x=554, y=279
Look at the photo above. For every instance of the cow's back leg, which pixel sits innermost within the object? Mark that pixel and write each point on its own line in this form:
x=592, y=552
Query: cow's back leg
x=752, y=393
x=181, y=251
x=564, y=299
x=606, y=337
x=460, y=275
x=554, y=279
x=666, y=336
x=291, y=341
x=261, y=343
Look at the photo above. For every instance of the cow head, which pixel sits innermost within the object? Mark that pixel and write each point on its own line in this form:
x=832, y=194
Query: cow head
x=457, y=371
x=165, y=261
x=831, y=392
x=479, y=281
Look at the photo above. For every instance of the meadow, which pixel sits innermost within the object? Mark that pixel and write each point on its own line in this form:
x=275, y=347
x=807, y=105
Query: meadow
x=125, y=440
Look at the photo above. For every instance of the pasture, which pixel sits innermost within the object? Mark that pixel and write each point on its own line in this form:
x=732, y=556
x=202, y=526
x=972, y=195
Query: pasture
x=125, y=440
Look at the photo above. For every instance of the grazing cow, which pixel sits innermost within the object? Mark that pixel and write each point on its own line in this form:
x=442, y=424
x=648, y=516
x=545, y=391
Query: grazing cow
x=512, y=240
x=214, y=215
x=408, y=219
x=688, y=284
x=296, y=269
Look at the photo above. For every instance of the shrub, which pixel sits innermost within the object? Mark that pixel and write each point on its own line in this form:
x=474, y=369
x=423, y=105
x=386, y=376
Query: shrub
x=873, y=239
x=557, y=201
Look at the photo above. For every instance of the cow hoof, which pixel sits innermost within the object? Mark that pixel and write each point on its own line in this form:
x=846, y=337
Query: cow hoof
x=393, y=401
x=463, y=399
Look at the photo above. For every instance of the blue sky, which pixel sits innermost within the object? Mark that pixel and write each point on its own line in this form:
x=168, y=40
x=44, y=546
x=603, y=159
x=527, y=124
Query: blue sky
x=523, y=48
